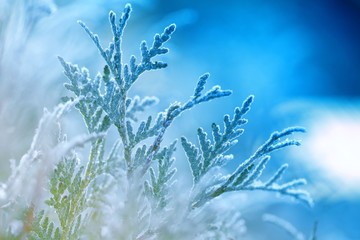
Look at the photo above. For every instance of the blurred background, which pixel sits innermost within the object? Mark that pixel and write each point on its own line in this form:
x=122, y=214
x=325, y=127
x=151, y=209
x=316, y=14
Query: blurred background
x=300, y=58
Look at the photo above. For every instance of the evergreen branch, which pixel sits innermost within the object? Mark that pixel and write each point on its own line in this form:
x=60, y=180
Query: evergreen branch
x=95, y=39
x=175, y=110
x=213, y=153
x=272, y=144
x=248, y=173
x=277, y=175
x=117, y=31
x=134, y=106
x=132, y=73
x=103, y=101
x=43, y=228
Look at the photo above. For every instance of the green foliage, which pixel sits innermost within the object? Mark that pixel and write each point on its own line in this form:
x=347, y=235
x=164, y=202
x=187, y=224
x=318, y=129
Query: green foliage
x=68, y=199
x=43, y=229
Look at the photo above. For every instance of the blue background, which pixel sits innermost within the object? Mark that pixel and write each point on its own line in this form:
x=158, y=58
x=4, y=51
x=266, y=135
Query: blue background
x=300, y=58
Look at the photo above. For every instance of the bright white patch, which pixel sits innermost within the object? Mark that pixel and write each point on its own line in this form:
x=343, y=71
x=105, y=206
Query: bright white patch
x=2, y=191
x=334, y=145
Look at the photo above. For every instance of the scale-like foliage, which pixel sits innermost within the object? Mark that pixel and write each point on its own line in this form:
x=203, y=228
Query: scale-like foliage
x=120, y=194
x=160, y=184
x=68, y=189
x=114, y=106
x=43, y=229
x=212, y=153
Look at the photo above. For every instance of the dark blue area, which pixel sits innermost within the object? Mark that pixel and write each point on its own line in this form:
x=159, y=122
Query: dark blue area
x=292, y=48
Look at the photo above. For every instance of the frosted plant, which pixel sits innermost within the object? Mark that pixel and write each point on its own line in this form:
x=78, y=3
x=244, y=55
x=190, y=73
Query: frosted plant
x=24, y=188
x=129, y=192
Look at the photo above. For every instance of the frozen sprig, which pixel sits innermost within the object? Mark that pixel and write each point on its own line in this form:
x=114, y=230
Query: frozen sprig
x=113, y=106
x=126, y=74
x=112, y=55
x=158, y=188
x=43, y=228
x=246, y=177
x=71, y=184
x=91, y=102
x=133, y=70
x=135, y=105
x=68, y=187
x=290, y=188
x=212, y=153
x=175, y=110
x=34, y=162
